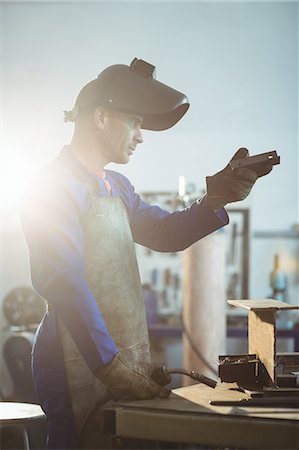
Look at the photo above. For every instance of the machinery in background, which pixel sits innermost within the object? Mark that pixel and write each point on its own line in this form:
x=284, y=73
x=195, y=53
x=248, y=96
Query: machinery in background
x=278, y=281
x=162, y=273
x=23, y=309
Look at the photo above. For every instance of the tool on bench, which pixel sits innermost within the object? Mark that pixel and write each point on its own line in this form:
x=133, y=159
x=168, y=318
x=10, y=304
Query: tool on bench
x=283, y=402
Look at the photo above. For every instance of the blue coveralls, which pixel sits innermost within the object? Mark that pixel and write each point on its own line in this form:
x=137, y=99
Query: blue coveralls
x=51, y=217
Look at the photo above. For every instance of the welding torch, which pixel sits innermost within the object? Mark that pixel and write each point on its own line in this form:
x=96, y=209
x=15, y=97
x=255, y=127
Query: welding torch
x=162, y=375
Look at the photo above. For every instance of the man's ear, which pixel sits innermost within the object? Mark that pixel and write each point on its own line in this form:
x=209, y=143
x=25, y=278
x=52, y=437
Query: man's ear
x=99, y=116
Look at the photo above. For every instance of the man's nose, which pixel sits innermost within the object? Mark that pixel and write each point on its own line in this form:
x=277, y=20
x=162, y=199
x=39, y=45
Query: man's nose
x=138, y=136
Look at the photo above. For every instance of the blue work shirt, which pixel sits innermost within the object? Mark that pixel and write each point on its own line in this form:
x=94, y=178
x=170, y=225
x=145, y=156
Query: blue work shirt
x=51, y=215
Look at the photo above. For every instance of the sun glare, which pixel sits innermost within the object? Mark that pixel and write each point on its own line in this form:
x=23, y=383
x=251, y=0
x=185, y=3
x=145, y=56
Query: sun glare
x=15, y=176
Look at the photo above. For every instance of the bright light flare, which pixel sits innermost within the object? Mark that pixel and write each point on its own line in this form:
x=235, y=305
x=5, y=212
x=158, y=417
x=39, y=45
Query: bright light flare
x=182, y=186
x=15, y=175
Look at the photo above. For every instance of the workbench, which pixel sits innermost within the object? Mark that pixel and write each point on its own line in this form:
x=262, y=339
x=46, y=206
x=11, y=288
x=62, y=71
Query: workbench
x=188, y=417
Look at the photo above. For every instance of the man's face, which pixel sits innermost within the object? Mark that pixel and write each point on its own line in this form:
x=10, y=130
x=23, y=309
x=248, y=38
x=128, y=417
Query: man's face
x=121, y=135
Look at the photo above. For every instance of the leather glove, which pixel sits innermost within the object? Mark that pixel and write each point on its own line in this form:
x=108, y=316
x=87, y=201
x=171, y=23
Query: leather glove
x=127, y=383
x=230, y=185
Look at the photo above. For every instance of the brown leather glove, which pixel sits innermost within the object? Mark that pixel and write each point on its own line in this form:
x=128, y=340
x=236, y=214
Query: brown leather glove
x=230, y=185
x=126, y=383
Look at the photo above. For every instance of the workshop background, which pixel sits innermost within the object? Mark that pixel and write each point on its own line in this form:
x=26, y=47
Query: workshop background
x=238, y=64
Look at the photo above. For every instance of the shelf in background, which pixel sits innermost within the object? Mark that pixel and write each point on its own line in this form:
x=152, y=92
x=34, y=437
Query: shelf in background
x=279, y=234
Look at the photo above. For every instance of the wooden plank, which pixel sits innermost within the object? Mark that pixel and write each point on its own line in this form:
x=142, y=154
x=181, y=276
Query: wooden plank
x=262, y=339
x=261, y=304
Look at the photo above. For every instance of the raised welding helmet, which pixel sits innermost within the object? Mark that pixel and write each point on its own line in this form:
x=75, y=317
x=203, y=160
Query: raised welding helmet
x=132, y=89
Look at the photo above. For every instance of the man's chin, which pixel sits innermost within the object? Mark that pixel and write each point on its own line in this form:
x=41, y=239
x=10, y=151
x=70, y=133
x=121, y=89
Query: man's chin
x=124, y=160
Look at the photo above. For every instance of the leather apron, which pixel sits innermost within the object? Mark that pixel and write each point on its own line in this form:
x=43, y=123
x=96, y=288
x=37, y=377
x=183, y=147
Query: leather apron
x=111, y=271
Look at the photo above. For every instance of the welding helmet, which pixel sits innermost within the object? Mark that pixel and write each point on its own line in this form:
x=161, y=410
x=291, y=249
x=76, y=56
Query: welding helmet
x=132, y=89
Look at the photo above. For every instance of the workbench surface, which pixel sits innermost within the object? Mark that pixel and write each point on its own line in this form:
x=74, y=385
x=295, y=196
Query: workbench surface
x=187, y=416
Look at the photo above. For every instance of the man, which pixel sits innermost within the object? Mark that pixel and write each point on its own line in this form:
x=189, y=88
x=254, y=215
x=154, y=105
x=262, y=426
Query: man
x=80, y=222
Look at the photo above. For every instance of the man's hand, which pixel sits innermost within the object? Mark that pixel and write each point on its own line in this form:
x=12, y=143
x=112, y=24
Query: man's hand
x=230, y=185
x=126, y=383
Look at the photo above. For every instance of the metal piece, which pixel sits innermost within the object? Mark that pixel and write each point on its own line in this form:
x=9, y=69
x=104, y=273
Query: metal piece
x=262, y=340
x=262, y=304
x=262, y=366
x=287, y=380
x=283, y=402
x=280, y=392
x=246, y=370
x=256, y=162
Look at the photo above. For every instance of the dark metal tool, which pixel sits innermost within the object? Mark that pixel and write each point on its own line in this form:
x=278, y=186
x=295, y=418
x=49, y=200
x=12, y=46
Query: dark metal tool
x=283, y=402
x=162, y=376
x=246, y=370
x=261, y=163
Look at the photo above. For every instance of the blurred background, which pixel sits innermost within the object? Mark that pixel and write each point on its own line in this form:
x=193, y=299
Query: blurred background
x=238, y=64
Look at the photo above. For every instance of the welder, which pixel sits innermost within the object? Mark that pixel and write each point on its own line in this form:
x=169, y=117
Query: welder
x=80, y=221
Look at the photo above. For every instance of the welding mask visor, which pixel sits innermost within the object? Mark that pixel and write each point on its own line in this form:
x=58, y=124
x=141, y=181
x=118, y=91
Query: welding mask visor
x=134, y=90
